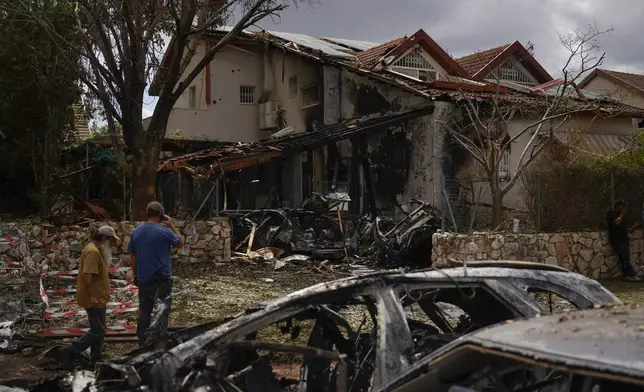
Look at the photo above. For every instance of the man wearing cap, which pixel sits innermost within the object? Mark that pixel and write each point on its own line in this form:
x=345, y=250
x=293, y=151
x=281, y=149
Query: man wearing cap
x=151, y=261
x=92, y=294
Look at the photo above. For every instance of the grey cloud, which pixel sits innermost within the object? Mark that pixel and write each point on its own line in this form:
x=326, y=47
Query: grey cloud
x=465, y=26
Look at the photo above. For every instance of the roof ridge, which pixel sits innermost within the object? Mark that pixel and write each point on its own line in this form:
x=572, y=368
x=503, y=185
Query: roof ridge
x=478, y=52
x=620, y=72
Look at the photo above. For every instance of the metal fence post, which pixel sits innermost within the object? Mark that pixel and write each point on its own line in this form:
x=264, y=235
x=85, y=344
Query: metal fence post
x=538, y=206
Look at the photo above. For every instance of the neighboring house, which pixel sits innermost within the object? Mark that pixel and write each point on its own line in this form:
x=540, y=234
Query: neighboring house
x=268, y=81
x=514, y=67
x=622, y=86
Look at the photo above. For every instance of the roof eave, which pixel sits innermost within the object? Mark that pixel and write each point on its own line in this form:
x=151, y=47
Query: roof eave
x=617, y=79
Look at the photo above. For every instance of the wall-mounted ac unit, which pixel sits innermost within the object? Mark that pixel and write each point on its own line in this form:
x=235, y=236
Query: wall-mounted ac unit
x=268, y=115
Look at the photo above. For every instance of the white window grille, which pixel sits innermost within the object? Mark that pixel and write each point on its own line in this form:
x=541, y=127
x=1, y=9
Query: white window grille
x=192, y=97
x=247, y=95
x=292, y=86
x=310, y=96
x=415, y=65
x=512, y=71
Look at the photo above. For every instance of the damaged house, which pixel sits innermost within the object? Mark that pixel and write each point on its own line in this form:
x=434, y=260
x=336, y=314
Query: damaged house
x=294, y=115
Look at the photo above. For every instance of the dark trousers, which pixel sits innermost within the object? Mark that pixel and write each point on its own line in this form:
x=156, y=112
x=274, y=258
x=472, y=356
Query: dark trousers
x=93, y=338
x=623, y=253
x=153, y=331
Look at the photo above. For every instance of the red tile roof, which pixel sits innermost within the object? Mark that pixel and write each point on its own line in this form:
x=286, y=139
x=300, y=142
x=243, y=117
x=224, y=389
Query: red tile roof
x=81, y=123
x=480, y=64
x=625, y=78
x=369, y=58
x=475, y=62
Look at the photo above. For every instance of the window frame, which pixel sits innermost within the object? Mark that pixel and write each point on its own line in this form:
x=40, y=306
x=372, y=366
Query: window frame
x=317, y=101
x=192, y=97
x=249, y=92
x=292, y=87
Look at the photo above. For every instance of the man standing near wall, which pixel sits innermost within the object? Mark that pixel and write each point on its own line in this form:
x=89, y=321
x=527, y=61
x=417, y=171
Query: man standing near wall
x=92, y=294
x=618, y=237
x=151, y=261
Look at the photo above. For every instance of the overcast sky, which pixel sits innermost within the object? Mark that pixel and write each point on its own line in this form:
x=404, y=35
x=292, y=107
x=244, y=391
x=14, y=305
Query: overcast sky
x=465, y=26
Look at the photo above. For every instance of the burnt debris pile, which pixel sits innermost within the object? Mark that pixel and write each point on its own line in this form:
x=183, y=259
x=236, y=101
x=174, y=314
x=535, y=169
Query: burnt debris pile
x=322, y=229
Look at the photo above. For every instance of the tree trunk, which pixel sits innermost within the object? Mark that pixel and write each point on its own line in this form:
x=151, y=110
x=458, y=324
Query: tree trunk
x=143, y=191
x=497, y=202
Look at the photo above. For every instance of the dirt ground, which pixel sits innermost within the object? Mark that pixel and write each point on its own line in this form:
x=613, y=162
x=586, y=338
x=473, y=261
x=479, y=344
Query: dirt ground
x=222, y=290
x=218, y=291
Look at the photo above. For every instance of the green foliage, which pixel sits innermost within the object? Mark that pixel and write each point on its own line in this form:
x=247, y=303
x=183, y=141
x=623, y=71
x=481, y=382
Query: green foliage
x=103, y=130
x=38, y=85
x=576, y=195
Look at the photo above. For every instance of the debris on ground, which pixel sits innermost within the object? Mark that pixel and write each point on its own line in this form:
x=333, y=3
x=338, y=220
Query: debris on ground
x=322, y=230
x=409, y=242
x=358, y=332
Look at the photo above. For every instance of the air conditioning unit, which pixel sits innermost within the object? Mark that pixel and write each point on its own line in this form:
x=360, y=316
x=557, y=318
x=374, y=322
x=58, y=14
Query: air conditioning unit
x=268, y=115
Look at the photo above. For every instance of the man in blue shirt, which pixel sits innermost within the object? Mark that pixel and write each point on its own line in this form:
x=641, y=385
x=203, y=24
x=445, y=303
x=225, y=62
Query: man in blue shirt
x=151, y=261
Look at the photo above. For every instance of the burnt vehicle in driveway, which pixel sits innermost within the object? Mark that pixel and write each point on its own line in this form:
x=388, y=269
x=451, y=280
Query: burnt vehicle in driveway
x=597, y=350
x=353, y=334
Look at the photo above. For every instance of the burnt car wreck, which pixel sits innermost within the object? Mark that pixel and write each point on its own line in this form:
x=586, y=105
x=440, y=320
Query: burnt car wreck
x=353, y=334
x=552, y=353
x=334, y=234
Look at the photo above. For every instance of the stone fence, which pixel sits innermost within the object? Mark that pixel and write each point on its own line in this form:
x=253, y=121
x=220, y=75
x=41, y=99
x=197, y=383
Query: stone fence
x=45, y=247
x=587, y=253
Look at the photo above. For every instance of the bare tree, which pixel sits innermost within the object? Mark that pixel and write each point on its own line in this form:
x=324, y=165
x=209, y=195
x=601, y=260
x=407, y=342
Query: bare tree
x=483, y=127
x=122, y=50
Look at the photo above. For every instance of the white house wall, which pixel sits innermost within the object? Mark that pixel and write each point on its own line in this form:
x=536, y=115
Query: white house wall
x=307, y=73
x=601, y=85
x=224, y=118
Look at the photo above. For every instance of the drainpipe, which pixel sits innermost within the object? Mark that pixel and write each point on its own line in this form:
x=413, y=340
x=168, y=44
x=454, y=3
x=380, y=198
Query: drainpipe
x=267, y=63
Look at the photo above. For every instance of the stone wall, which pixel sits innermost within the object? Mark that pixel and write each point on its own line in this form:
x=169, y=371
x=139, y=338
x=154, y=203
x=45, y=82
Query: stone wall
x=45, y=247
x=587, y=253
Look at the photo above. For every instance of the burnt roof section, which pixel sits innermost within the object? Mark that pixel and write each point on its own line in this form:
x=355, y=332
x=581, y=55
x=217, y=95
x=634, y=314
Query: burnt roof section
x=230, y=157
x=605, y=340
x=370, y=57
x=482, y=63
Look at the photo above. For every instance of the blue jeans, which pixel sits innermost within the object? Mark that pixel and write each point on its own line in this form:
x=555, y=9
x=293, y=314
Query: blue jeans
x=153, y=331
x=623, y=253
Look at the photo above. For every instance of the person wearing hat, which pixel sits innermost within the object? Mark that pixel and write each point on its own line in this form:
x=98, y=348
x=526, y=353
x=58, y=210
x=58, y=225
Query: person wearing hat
x=151, y=260
x=92, y=294
x=618, y=238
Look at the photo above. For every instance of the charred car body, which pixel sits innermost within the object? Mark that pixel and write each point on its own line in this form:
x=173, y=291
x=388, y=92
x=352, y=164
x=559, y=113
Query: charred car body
x=321, y=229
x=354, y=334
x=596, y=350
